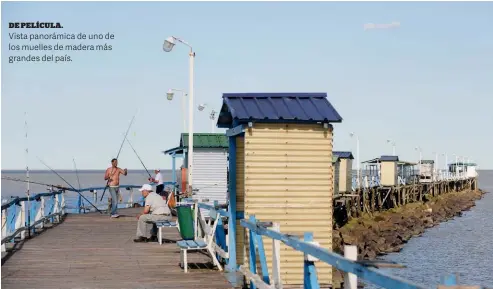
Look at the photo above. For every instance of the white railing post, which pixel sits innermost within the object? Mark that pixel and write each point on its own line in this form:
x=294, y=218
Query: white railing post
x=62, y=204
x=131, y=198
x=22, y=219
x=56, y=208
x=350, y=280
x=4, y=228
x=276, y=258
x=40, y=214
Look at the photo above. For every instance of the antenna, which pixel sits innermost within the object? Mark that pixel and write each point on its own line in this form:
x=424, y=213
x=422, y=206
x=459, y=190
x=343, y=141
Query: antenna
x=27, y=178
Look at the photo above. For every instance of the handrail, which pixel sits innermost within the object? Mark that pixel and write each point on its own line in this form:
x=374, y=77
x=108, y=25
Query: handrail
x=313, y=252
x=23, y=220
x=17, y=200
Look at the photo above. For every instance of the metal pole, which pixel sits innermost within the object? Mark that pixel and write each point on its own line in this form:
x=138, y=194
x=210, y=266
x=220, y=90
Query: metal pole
x=393, y=148
x=183, y=107
x=190, y=122
x=358, y=173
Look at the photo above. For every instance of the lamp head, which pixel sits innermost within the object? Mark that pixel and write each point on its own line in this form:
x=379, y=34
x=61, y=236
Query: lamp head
x=170, y=94
x=169, y=43
x=201, y=107
x=351, y=134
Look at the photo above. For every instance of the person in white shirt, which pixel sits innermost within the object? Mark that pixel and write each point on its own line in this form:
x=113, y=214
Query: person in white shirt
x=156, y=209
x=158, y=180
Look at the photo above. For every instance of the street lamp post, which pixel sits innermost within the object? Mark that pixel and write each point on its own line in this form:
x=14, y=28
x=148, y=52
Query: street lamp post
x=420, y=156
x=212, y=115
x=170, y=94
x=435, y=165
x=357, y=159
x=168, y=45
x=393, y=146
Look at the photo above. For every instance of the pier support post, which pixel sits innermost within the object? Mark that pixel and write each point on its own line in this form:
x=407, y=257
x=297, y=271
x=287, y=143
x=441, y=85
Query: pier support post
x=350, y=280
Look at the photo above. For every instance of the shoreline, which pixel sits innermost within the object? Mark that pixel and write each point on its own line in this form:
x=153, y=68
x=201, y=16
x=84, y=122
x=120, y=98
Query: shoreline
x=388, y=231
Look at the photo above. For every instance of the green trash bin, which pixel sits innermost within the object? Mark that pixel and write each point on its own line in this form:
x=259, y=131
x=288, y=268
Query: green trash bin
x=185, y=221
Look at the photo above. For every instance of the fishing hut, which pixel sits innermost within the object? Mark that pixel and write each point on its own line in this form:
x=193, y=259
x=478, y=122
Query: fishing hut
x=388, y=171
x=426, y=170
x=280, y=147
x=210, y=165
x=406, y=172
x=336, y=162
x=345, y=171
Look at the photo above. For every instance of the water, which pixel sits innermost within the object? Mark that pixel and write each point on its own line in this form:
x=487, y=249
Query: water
x=463, y=245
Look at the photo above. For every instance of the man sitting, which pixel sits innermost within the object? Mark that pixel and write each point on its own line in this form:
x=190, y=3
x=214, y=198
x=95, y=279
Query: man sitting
x=155, y=210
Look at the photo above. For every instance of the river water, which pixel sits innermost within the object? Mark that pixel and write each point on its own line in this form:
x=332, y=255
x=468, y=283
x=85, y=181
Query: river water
x=463, y=245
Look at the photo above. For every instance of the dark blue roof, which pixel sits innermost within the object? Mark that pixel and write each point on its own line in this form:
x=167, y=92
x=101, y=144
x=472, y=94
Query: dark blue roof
x=389, y=158
x=344, y=155
x=276, y=107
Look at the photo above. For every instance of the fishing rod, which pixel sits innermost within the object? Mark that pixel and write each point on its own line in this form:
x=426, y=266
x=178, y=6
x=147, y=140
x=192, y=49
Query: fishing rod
x=78, y=181
x=139, y=158
x=36, y=183
x=69, y=185
x=119, y=151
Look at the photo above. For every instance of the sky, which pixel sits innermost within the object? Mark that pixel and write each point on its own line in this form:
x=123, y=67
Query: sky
x=426, y=81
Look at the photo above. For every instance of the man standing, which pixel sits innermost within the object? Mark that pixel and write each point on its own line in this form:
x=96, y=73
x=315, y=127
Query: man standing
x=155, y=210
x=158, y=179
x=112, y=175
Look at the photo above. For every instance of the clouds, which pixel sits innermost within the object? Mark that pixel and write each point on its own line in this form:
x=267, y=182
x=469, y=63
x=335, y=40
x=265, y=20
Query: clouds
x=393, y=24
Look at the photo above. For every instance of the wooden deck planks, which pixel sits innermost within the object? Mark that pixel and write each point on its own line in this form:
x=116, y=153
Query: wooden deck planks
x=94, y=251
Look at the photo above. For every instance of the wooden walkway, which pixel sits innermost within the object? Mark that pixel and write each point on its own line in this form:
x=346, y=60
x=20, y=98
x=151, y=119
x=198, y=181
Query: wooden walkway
x=94, y=251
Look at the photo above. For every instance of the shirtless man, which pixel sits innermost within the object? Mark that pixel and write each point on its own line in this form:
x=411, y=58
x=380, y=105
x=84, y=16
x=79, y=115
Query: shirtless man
x=112, y=175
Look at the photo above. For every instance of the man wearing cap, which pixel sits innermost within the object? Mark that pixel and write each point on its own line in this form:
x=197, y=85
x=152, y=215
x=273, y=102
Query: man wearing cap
x=156, y=209
x=158, y=179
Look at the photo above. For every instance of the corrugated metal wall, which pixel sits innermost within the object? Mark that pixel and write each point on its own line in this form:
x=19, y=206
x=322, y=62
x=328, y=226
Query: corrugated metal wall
x=289, y=180
x=209, y=175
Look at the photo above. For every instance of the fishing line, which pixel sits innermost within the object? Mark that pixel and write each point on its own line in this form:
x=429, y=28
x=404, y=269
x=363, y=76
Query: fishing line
x=69, y=185
x=36, y=183
x=139, y=158
x=119, y=151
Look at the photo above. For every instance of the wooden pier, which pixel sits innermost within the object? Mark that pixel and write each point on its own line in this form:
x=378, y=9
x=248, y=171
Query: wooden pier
x=94, y=251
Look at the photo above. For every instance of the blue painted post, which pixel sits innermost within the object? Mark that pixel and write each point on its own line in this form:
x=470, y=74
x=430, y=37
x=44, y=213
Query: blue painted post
x=173, y=166
x=310, y=272
x=253, y=256
x=79, y=203
x=232, y=266
x=262, y=258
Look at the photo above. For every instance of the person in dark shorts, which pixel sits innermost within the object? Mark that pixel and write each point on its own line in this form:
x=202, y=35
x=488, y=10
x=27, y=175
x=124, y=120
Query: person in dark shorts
x=158, y=180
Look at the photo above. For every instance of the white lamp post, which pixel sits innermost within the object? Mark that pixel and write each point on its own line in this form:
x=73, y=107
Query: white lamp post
x=168, y=45
x=435, y=166
x=212, y=115
x=420, y=156
x=170, y=94
x=446, y=166
x=357, y=159
x=393, y=146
